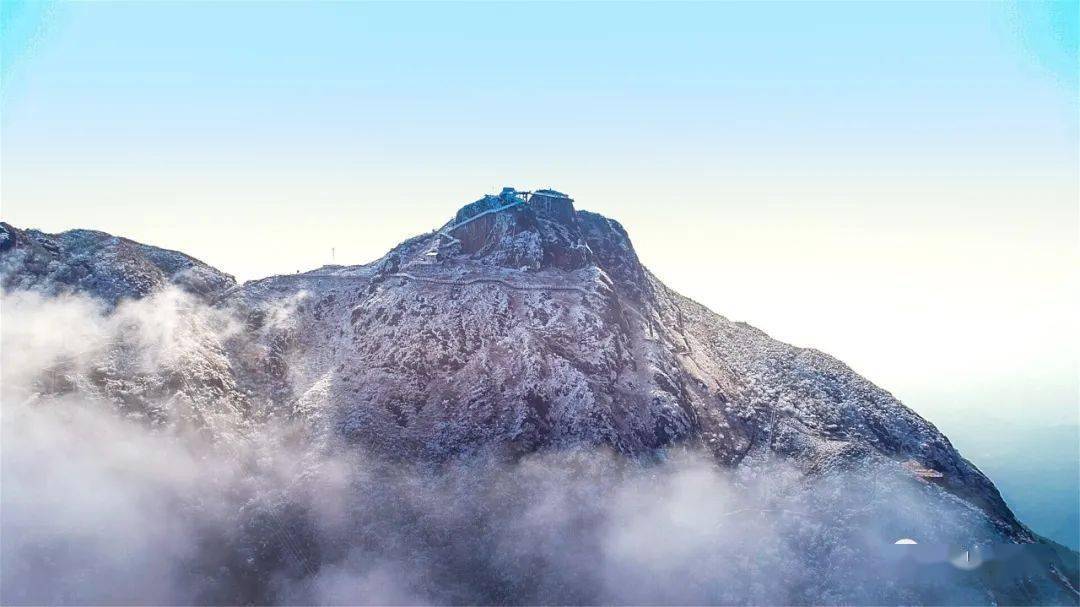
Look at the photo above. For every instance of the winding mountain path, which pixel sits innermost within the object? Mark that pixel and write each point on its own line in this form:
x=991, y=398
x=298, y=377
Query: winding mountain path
x=409, y=276
x=499, y=281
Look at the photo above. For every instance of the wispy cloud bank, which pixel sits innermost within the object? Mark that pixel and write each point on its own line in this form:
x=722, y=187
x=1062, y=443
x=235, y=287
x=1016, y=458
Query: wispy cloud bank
x=103, y=506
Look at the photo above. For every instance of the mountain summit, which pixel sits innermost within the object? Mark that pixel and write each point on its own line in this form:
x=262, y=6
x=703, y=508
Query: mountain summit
x=524, y=325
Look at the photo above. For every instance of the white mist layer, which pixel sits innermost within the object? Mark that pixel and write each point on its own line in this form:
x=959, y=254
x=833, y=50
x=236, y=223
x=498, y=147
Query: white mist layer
x=104, y=504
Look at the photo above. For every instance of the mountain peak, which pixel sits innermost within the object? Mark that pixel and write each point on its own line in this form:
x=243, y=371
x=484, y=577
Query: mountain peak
x=533, y=230
x=109, y=267
x=525, y=326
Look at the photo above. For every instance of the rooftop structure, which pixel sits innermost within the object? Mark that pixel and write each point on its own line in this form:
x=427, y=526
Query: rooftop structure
x=506, y=199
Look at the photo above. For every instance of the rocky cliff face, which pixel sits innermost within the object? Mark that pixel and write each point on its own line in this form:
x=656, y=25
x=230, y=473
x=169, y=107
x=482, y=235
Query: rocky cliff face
x=534, y=329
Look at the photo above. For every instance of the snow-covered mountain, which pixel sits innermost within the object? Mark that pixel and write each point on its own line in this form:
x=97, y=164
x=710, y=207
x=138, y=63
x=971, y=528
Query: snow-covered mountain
x=130, y=280
x=538, y=327
x=102, y=265
x=525, y=326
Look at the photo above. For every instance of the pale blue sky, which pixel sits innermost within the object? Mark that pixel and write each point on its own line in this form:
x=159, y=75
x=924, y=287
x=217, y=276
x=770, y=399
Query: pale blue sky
x=895, y=184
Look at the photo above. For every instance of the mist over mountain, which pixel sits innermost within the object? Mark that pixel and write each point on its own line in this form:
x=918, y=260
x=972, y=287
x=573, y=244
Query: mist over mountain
x=509, y=409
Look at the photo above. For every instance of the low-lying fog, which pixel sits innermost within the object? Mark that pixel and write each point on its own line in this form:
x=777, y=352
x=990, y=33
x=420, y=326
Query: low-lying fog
x=104, y=505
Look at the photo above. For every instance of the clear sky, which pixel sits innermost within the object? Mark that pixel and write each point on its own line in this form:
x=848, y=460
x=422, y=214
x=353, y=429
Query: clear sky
x=895, y=184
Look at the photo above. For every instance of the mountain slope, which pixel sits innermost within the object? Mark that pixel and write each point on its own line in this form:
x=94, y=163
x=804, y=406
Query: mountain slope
x=537, y=326
x=103, y=265
x=534, y=326
x=134, y=348
x=524, y=326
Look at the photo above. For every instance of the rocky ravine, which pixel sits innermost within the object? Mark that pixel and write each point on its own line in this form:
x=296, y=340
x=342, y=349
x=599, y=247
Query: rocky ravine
x=528, y=329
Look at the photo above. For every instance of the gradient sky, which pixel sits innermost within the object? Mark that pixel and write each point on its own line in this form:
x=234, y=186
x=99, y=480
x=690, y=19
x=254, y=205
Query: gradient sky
x=895, y=184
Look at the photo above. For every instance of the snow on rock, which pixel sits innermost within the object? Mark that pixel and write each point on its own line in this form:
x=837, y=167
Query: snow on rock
x=158, y=350
x=102, y=265
x=526, y=329
x=540, y=328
